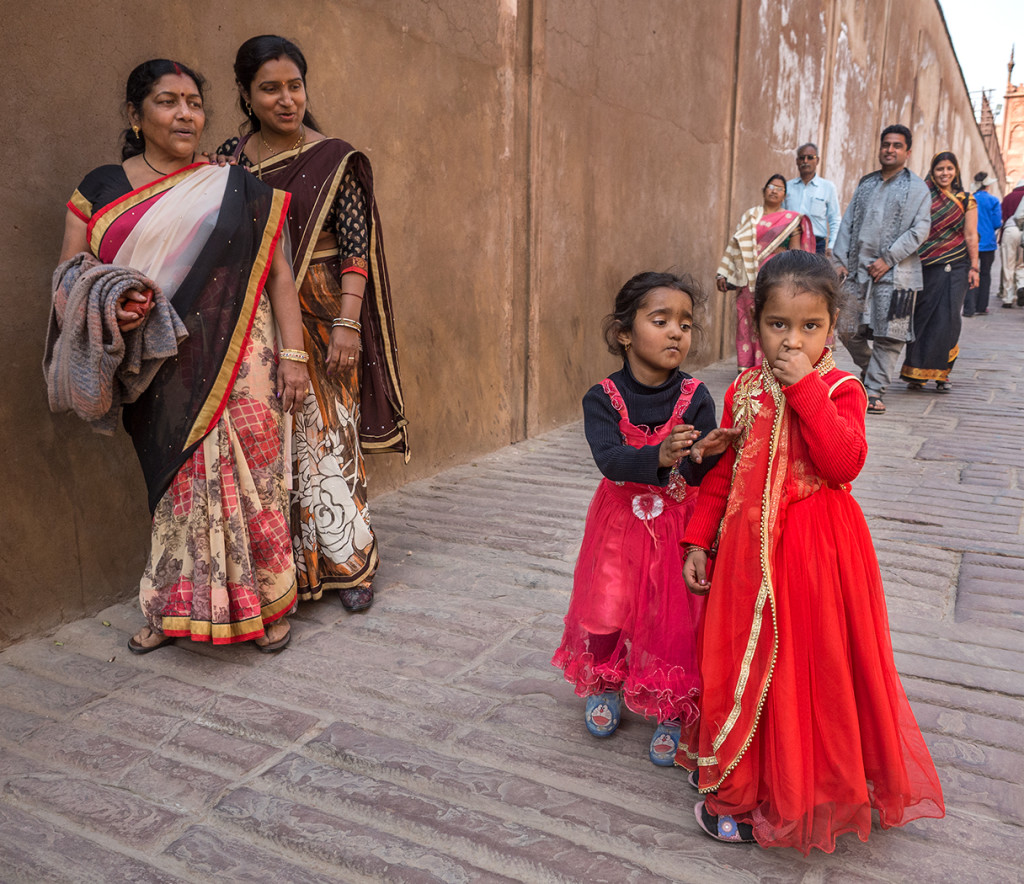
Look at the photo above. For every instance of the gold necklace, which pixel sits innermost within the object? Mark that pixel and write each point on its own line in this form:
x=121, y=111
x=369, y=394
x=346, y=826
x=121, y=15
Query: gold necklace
x=259, y=157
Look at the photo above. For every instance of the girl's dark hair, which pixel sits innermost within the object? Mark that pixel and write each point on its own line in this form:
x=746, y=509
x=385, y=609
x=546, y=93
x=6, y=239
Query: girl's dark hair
x=805, y=272
x=631, y=298
x=140, y=84
x=940, y=157
x=251, y=56
x=775, y=177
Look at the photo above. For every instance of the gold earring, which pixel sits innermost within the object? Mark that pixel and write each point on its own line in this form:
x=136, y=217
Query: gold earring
x=626, y=346
x=248, y=108
x=135, y=129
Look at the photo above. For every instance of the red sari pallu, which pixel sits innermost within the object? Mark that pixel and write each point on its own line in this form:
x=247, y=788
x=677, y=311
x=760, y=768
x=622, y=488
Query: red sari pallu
x=805, y=726
x=208, y=429
x=758, y=237
x=628, y=585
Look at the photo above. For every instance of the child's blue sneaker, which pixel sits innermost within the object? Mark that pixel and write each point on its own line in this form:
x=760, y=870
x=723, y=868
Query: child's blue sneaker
x=664, y=744
x=604, y=712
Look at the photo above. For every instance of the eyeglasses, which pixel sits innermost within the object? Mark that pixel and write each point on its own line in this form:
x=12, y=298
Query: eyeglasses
x=806, y=157
x=775, y=187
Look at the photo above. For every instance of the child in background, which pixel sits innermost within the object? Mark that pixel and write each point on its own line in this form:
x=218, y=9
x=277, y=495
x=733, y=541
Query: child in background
x=805, y=726
x=631, y=627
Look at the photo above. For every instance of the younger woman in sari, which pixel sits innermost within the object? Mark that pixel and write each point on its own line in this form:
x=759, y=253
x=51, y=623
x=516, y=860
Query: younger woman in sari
x=338, y=260
x=763, y=231
x=207, y=429
x=804, y=725
x=949, y=260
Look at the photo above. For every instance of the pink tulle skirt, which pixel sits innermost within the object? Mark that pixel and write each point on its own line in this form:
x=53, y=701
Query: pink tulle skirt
x=632, y=624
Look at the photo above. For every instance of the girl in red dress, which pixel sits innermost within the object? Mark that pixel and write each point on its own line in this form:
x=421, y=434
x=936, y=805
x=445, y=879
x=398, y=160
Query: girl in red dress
x=631, y=626
x=805, y=726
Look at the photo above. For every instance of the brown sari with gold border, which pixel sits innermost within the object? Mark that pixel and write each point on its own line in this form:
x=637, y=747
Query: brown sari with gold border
x=355, y=410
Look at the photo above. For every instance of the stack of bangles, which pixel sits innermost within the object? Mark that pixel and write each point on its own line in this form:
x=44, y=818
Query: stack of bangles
x=692, y=548
x=294, y=355
x=342, y=322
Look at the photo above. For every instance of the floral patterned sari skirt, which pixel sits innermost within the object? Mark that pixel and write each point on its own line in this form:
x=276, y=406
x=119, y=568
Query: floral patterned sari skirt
x=221, y=567
x=334, y=545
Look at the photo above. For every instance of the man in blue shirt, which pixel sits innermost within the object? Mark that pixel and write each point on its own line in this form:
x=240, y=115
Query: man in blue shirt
x=814, y=197
x=990, y=220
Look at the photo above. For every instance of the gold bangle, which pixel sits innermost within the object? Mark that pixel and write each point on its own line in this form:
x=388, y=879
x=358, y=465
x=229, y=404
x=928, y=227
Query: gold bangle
x=692, y=548
x=294, y=355
x=342, y=322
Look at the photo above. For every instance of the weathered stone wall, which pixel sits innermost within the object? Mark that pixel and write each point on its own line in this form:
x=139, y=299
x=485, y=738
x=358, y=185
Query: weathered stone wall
x=530, y=155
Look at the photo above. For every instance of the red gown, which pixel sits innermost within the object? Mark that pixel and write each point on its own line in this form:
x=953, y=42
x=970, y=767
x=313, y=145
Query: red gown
x=631, y=624
x=805, y=726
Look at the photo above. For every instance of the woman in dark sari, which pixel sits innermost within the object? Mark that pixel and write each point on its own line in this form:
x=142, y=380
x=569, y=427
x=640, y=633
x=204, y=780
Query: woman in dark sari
x=949, y=260
x=208, y=427
x=338, y=261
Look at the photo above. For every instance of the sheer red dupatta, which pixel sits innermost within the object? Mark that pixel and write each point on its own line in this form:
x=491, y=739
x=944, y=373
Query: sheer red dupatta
x=206, y=235
x=744, y=654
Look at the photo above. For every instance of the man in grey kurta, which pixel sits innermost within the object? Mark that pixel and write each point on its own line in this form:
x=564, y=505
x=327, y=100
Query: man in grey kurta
x=876, y=250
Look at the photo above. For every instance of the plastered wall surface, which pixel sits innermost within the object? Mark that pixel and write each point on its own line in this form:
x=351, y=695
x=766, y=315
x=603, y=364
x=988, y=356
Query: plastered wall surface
x=530, y=155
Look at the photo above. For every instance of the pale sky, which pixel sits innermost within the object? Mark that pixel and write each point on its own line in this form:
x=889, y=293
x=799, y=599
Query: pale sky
x=983, y=32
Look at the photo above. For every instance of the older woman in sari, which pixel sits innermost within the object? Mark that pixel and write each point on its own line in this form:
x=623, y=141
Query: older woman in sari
x=344, y=292
x=949, y=261
x=208, y=427
x=763, y=231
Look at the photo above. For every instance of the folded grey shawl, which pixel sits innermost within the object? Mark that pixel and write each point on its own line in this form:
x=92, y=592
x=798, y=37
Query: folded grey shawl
x=91, y=367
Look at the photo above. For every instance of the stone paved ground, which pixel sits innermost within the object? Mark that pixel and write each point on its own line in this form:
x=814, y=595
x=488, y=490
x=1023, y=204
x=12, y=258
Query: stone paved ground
x=430, y=740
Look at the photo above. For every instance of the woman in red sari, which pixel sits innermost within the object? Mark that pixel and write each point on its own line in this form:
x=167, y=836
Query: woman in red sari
x=804, y=725
x=949, y=261
x=207, y=429
x=338, y=259
x=763, y=231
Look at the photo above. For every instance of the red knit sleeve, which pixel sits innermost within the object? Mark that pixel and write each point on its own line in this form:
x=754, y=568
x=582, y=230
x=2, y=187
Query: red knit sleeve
x=832, y=427
x=702, y=529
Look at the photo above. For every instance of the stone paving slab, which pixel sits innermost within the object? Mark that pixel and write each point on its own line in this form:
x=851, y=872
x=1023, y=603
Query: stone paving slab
x=430, y=739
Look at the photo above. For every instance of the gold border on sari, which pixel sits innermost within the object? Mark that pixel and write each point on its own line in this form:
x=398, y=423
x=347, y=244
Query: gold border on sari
x=236, y=629
x=211, y=407
x=100, y=222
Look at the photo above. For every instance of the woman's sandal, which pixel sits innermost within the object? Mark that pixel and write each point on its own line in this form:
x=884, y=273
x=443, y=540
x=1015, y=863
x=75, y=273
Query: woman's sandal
x=137, y=643
x=268, y=646
x=357, y=599
x=915, y=385
x=724, y=827
x=943, y=387
x=876, y=405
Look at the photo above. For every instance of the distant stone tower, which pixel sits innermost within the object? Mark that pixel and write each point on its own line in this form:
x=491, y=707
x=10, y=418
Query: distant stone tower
x=1013, y=128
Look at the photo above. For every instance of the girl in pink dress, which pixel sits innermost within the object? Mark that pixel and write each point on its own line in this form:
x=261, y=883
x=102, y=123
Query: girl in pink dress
x=630, y=632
